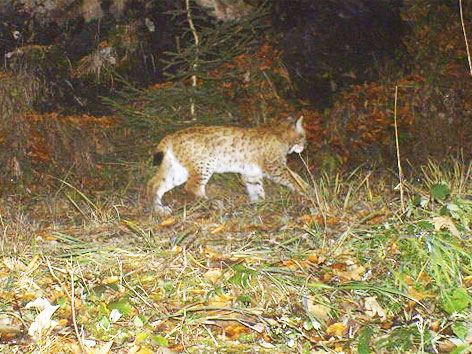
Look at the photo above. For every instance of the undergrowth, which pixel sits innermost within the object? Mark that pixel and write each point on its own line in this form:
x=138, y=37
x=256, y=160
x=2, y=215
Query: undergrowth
x=346, y=271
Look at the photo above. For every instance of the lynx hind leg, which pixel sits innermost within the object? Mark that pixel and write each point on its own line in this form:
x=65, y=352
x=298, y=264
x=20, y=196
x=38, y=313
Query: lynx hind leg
x=254, y=187
x=169, y=175
x=156, y=189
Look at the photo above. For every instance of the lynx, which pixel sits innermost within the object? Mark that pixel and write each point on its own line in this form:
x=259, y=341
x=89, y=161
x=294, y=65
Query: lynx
x=193, y=154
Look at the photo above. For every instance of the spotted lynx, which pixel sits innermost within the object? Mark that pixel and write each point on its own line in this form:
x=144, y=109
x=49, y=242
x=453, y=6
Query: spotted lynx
x=194, y=154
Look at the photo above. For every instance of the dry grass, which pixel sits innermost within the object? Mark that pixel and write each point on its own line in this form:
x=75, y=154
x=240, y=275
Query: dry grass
x=219, y=276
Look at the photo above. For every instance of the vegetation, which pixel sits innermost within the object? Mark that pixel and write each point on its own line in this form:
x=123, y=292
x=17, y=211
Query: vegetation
x=370, y=260
x=350, y=272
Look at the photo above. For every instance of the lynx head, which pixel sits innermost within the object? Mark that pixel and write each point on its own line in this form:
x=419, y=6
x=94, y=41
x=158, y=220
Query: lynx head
x=295, y=135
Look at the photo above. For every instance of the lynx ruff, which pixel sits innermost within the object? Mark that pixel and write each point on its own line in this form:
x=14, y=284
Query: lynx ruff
x=193, y=154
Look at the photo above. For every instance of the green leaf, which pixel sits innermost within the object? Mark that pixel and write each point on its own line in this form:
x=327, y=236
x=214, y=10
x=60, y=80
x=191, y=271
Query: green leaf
x=105, y=323
x=62, y=302
x=245, y=299
x=424, y=225
x=440, y=191
x=103, y=309
x=242, y=276
x=400, y=340
x=123, y=306
x=455, y=300
x=308, y=325
x=459, y=329
x=306, y=349
x=161, y=341
x=142, y=336
x=363, y=344
x=138, y=322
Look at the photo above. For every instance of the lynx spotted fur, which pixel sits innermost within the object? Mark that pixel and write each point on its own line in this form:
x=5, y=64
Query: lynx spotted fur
x=192, y=155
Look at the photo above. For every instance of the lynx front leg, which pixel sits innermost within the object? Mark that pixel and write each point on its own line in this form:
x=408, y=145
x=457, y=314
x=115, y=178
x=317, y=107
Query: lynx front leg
x=281, y=174
x=197, y=181
x=254, y=187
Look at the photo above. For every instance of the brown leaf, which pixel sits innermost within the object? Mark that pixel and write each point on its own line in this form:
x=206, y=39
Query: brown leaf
x=337, y=329
x=222, y=300
x=218, y=229
x=168, y=222
x=318, y=310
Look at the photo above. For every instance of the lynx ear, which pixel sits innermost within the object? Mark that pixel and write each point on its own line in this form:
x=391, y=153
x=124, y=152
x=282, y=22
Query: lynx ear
x=299, y=125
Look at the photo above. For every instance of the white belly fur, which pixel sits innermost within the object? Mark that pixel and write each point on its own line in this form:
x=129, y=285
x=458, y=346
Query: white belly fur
x=247, y=170
x=178, y=173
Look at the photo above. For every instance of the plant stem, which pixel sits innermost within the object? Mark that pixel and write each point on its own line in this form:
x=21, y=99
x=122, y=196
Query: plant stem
x=397, y=146
x=197, y=44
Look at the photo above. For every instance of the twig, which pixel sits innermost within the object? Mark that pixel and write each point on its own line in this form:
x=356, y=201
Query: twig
x=57, y=279
x=197, y=44
x=72, y=304
x=397, y=146
x=465, y=37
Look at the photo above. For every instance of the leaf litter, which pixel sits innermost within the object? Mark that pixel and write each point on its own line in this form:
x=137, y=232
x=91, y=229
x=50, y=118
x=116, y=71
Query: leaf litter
x=275, y=278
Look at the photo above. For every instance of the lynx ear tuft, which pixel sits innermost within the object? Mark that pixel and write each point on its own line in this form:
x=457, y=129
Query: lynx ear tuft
x=299, y=125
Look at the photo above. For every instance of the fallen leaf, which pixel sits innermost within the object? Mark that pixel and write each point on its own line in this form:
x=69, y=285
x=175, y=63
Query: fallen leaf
x=313, y=258
x=295, y=264
x=168, y=222
x=210, y=254
x=318, y=310
x=468, y=280
x=337, y=329
x=316, y=257
x=446, y=346
x=137, y=349
x=327, y=277
x=346, y=271
x=176, y=249
x=33, y=264
x=14, y=264
x=445, y=221
x=318, y=219
x=40, y=303
x=218, y=229
x=43, y=323
x=148, y=278
x=8, y=328
x=213, y=275
x=417, y=295
x=99, y=349
x=220, y=300
x=63, y=322
x=373, y=309
x=259, y=327
x=435, y=326
x=233, y=331
x=310, y=219
x=110, y=280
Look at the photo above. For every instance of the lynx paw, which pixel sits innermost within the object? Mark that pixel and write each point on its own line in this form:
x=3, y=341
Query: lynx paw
x=162, y=210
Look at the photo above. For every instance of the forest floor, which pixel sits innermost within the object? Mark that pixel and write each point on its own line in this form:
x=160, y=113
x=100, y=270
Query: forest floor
x=355, y=268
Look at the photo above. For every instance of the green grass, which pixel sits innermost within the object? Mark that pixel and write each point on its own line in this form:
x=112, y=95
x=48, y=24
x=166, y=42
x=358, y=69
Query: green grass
x=345, y=271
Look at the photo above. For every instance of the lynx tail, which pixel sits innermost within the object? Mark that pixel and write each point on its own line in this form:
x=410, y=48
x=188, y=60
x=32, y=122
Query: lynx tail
x=158, y=157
